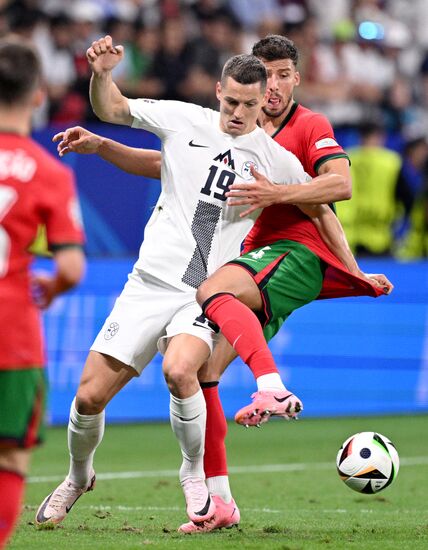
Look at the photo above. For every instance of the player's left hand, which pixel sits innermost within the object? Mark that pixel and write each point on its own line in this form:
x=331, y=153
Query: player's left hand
x=42, y=289
x=380, y=280
x=258, y=193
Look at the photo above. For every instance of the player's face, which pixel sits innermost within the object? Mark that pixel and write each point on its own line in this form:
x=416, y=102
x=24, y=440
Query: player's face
x=282, y=78
x=240, y=106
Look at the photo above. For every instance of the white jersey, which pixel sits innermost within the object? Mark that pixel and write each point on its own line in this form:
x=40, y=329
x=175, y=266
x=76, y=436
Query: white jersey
x=192, y=231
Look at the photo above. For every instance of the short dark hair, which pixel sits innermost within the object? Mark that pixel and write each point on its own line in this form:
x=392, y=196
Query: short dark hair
x=20, y=72
x=274, y=47
x=245, y=69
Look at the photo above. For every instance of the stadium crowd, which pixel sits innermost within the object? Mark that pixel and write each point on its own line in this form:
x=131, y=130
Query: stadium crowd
x=364, y=64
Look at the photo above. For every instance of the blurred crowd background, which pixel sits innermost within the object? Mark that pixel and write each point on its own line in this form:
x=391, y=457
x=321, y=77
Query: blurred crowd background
x=363, y=63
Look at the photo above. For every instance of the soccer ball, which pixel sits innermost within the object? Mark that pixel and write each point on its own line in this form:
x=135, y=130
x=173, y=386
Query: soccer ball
x=367, y=462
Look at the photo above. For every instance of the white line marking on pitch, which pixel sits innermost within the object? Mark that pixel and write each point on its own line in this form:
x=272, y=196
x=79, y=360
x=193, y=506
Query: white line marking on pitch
x=262, y=468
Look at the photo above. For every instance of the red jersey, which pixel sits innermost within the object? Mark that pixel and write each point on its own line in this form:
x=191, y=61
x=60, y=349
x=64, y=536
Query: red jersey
x=35, y=189
x=310, y=137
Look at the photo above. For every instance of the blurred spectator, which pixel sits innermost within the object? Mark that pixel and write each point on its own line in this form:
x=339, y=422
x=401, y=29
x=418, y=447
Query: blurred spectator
x=171, y=63
x=140, y=56
x=368, y=218
x=53, y=42
x=411, y=232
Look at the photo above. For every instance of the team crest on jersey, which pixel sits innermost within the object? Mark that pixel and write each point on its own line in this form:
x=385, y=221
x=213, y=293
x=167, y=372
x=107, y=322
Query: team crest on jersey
x=246, y=169
x=226, y=158
x=111, y=331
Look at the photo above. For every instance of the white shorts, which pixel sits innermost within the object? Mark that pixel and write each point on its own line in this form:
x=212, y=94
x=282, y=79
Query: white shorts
x=146, y=314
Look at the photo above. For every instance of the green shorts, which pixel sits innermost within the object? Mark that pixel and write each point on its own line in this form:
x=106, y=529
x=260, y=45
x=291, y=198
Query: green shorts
x=22, y=407
x=288, y=274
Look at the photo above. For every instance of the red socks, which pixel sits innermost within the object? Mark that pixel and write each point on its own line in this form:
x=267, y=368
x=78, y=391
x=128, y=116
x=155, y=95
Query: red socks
x=215, y=461
x=242, y=330
x=11, y=491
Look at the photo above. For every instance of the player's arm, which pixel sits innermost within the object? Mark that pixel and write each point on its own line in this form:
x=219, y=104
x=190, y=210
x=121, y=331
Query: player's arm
x=106, y=99
x=331, y=185
x=140, y=162
x=69, y=269
x=333, y=235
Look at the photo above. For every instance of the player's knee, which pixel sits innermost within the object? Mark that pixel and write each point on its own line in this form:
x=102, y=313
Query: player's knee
x=178, y=373
x=89, y=400
x=203, y=293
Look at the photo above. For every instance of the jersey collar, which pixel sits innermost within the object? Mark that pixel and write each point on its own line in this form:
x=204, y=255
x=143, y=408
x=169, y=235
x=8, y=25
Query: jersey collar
x=286, y=119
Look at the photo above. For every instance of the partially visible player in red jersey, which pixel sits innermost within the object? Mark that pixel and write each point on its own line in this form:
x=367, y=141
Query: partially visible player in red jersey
x=35, y=189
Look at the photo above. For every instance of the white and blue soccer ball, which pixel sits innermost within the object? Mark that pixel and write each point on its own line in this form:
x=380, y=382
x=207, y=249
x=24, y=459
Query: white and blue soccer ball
x=367, y=462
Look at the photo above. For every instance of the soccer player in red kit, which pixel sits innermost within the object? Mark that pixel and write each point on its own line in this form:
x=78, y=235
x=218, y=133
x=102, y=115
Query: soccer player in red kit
x=283, y=255
x=35, y=189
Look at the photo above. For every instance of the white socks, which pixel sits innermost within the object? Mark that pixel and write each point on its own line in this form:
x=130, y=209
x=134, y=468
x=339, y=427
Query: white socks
x=219, y=485
x=188, y=419
x=85, y=433
x=270, y=382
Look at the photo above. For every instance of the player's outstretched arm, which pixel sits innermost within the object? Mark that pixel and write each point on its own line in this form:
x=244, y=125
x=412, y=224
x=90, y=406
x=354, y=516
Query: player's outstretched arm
x=332, y=233
x=107, y=101
x=331, y=185
x=140, y=162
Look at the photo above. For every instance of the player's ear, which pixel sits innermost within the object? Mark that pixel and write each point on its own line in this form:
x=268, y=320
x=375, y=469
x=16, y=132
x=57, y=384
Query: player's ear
x=297, y=78
x=39, y=96
x=218, y=90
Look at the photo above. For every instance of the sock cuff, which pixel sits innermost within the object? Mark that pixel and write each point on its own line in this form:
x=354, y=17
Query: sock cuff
x=207, y=385
x=213, y=297
x=188, y=407
x=85, y=420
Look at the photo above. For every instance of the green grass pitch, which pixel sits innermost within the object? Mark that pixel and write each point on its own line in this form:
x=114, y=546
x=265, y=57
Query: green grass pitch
x=283, y=478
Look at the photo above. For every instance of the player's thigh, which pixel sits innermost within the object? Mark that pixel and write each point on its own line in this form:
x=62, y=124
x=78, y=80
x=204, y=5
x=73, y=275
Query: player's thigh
x=139, y=318
x=288, y=276
x=15, y=460
x=102, y=378
x=185, y=355
x=218, y=362
x=231, y=278
x=296, y=281
x=22, y=407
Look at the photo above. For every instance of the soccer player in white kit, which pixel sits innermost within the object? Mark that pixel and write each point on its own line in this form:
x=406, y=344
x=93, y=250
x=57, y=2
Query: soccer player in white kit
x=191, y=233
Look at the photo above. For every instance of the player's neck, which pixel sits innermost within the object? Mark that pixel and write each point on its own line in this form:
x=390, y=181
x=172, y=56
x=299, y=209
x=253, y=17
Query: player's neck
x=271, y=124
x=15, y=121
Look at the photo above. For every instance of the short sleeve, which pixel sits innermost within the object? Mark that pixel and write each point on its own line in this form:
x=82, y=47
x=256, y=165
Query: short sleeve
x=61, y=211
x=163, y=117
x=289, y=170
x=320, y=140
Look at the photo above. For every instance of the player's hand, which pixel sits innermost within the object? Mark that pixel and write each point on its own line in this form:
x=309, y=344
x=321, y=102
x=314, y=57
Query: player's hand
x=42, y=289
x=258, y=193
x=102, y=56
x=379, y=280
x=77, y=140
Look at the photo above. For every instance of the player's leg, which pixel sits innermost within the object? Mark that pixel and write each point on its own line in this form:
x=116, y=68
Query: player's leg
x=183, y=358
x=22, y=394
x=123, y=347
x=229, y=298
x=13, y=469
x=215, y=459
x=102, y=378
x=293, y=282
x=186, y=347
